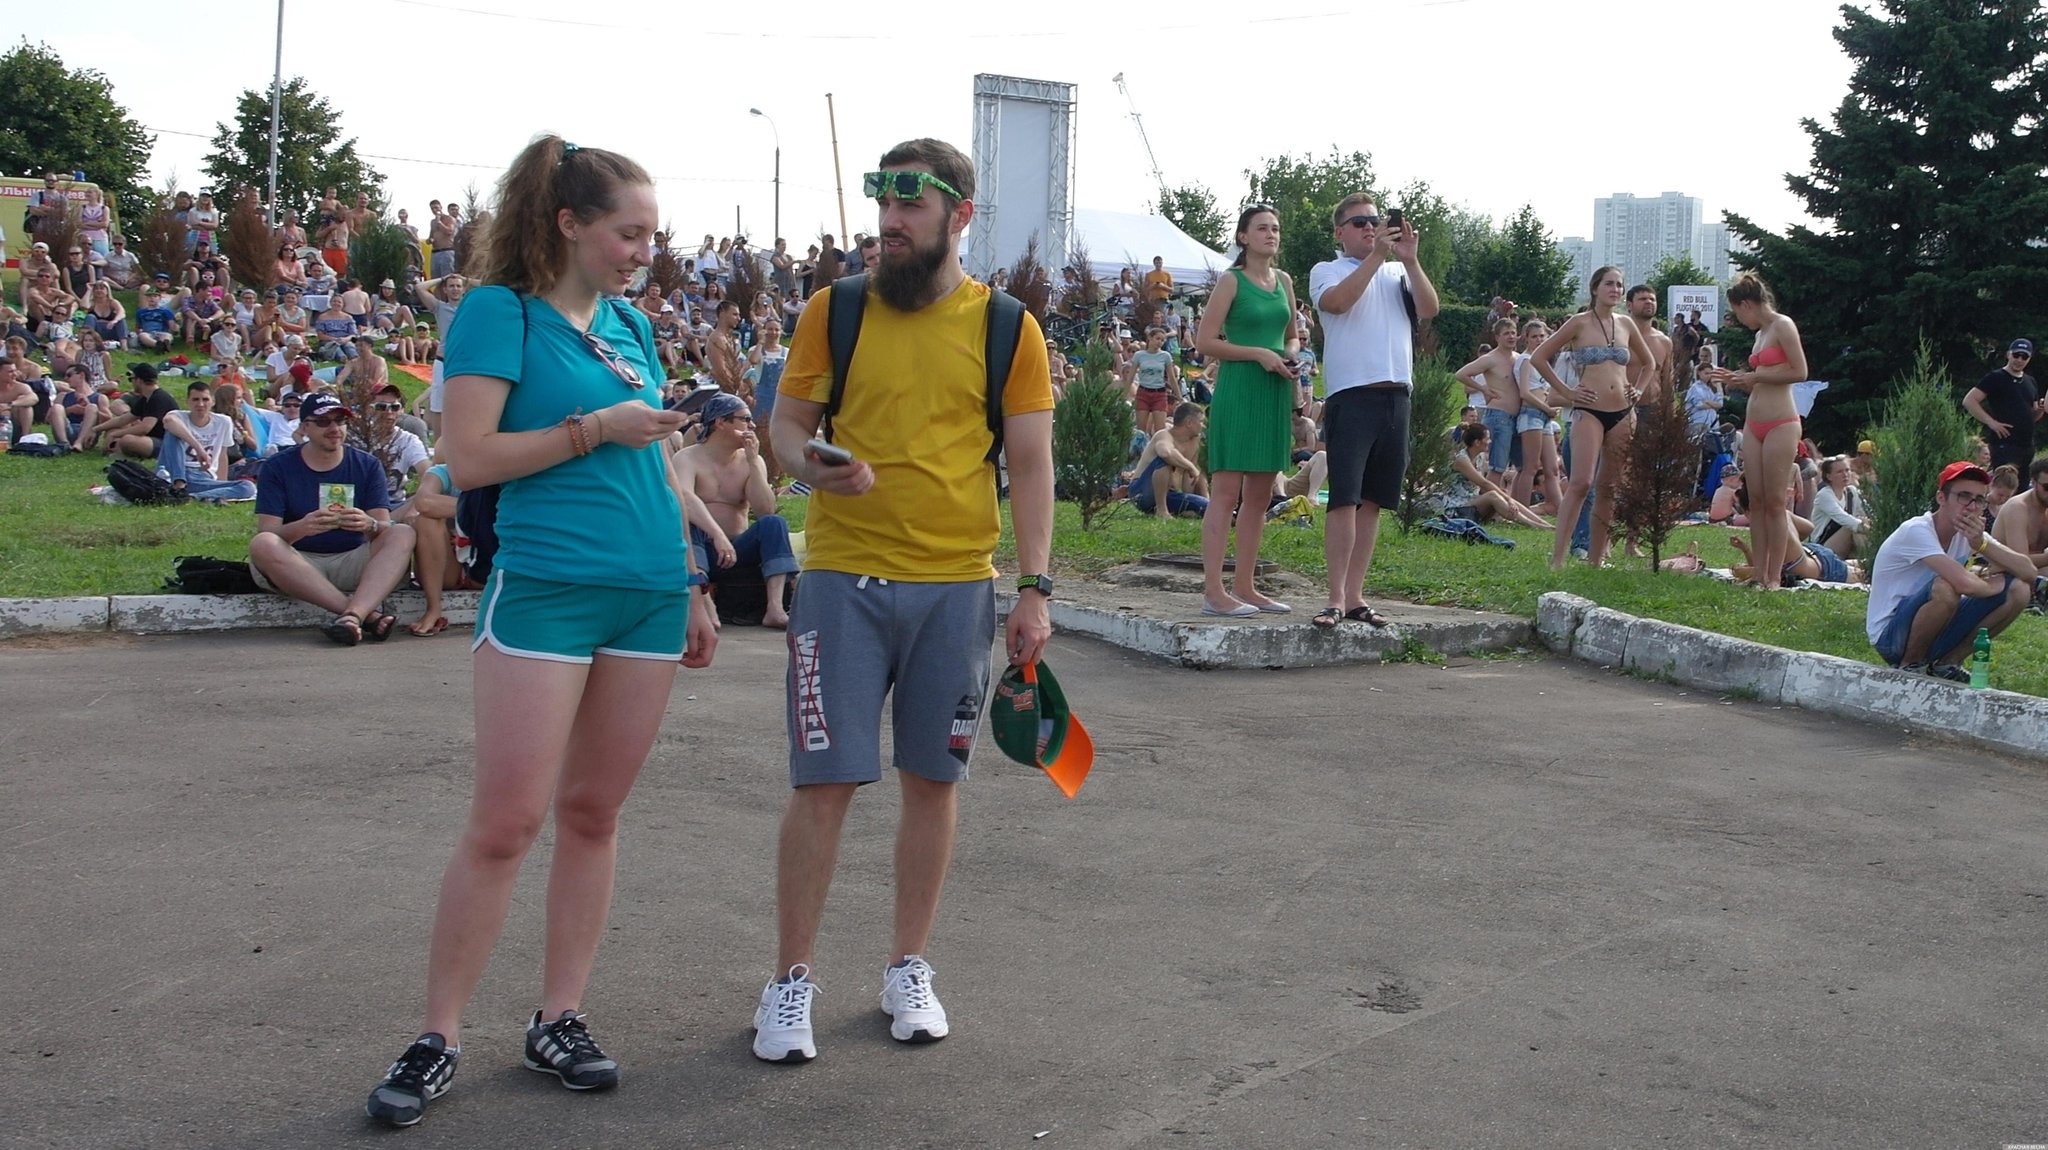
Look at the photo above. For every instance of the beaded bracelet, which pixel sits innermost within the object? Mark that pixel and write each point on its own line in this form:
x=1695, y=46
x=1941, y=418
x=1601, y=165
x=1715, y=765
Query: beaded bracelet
x=579, y=440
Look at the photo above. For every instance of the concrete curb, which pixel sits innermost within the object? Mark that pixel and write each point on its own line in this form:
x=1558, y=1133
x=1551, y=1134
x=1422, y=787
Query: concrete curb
x=1263, y=644
x=178, y=614
x=2000, y=720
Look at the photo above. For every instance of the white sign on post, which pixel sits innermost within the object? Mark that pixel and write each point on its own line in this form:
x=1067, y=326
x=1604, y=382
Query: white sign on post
x=1684, y=301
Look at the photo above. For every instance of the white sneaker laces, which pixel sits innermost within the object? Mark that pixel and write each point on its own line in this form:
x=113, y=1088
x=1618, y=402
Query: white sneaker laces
x=792, y=1003
x=913, y=984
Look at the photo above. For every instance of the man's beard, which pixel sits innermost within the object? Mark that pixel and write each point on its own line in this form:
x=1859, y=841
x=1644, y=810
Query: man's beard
x=905, y=282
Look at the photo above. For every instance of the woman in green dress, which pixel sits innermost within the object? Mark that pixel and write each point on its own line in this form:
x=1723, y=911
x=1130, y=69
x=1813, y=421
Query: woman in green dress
x=1248, y=327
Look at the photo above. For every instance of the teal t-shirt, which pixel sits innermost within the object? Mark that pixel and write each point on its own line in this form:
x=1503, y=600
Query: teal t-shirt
x=607, y=519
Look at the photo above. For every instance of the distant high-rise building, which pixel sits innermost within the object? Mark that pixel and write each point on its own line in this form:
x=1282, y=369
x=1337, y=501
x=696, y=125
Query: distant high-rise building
x=1710, y=250
x=1633, y=233
x=1580, y=250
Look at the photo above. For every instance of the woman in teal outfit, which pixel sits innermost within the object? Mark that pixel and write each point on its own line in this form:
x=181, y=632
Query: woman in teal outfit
x=1248, y=327
x=554, y=392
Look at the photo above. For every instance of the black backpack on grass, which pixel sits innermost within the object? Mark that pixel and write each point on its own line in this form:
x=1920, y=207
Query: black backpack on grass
x=139, y=484
x=199, y=575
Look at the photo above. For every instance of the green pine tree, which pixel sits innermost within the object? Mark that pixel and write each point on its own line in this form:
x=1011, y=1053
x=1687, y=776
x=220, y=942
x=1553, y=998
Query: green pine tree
x=1933, y=175
x=1091, y=436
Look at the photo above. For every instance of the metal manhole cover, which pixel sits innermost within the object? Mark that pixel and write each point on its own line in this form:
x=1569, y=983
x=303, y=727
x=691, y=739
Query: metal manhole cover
x=1265, y=566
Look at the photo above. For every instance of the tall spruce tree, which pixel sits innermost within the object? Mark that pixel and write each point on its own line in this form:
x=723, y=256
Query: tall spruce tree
x=312, y=155
x=1934, y=176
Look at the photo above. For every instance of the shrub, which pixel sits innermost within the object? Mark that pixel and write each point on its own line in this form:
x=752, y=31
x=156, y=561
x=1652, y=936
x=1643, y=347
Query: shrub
x=1660, y=476
x=1029, y=281
x=245, y=241
x=160, y=239
x=379, y=251
x=1432, y=412
x=1091, y=436
x=1922, y=430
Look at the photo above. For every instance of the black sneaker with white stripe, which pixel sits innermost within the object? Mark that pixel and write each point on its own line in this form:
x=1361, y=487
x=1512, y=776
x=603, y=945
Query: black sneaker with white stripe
x=424, y=1072
x=565, y=1049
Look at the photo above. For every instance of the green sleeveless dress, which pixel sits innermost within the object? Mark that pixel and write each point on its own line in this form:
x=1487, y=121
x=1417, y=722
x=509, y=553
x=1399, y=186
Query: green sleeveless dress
x=1251, y=419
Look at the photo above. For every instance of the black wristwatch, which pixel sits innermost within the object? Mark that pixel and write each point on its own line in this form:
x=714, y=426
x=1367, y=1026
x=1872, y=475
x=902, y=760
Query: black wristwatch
x=1039, y=583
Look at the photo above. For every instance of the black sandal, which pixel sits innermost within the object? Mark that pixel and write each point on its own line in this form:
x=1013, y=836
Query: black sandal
x=377, y=627
x=1363, y=614
x=345, y=629
x=1327, y=617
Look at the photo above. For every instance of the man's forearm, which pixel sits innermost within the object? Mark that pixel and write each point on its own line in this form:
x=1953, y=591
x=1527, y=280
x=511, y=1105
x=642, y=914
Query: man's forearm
x=1031, y=512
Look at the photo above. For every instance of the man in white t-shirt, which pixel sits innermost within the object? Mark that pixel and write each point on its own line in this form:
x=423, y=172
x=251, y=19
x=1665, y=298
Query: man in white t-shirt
x=1925, y=604
x=1363, y=300
x=402, y=454
x=194, y=450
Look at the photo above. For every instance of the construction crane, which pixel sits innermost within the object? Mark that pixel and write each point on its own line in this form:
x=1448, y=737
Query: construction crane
x=1157, y=176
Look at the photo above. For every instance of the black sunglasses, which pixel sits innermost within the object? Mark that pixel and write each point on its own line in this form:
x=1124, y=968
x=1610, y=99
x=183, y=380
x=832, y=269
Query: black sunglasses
x=612, y=359
x=1364, y=221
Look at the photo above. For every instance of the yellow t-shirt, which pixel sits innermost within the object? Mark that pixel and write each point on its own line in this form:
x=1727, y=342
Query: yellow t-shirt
x=1159, y=284
x=915, y=409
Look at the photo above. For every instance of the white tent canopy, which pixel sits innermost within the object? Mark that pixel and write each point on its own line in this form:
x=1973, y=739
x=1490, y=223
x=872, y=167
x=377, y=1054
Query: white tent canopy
x=1117, y=240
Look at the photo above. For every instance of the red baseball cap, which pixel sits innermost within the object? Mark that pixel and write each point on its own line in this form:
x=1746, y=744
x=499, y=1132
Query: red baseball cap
x=1961, y=469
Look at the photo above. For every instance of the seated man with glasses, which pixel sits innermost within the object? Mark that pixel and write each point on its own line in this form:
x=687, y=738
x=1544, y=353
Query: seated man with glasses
x=323, y=528
x=724, y=469
x=401, y=453
x=1926, y=604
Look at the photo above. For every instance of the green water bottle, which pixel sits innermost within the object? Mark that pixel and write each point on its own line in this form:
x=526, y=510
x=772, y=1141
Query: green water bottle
x=1980, y=660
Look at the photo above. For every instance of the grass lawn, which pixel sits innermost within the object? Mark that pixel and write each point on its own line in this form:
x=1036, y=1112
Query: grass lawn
x=56, y=540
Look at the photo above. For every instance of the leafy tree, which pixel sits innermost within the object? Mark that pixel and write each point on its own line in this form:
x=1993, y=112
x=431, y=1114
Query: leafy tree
x=1192, y=208
x=311, y=155
x=1660, y=478
x=1303, y=192
x=1533, y=272
x=66, y=120
x=1431, y=214
x=1676, y=271
x=1474, y=251
x=1934, y=175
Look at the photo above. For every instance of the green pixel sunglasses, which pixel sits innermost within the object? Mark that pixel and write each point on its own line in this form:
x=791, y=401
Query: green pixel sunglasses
x=906, y=185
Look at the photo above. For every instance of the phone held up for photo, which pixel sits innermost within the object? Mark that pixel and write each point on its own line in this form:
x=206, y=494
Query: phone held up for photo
x=1394, y=219
x=836, y=456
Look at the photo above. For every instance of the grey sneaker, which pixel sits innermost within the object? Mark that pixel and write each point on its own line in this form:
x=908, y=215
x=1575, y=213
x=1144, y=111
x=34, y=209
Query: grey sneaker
x=782, y=1022
x=424, y=1072
x=908, y=1000
x=565, y=1049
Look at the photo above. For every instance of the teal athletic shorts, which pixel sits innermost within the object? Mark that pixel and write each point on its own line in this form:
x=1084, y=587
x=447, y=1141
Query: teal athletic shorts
x=570, y=623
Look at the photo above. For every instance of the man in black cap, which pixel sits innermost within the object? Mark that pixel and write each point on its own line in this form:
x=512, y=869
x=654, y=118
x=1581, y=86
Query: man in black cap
x=137, y=429
x=2008, y=403
x=323, y=527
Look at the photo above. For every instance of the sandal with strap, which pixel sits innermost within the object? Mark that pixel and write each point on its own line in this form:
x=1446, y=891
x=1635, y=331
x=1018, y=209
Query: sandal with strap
x=378, y=626
x=1364, y=614
x=345, y=629
x=1327, y=617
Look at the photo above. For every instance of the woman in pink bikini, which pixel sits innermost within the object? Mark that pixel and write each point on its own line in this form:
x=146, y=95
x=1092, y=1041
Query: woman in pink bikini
x=1770, y=431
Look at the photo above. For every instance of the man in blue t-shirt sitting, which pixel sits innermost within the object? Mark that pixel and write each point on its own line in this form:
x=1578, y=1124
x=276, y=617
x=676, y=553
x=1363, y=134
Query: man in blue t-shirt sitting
x=323, y=527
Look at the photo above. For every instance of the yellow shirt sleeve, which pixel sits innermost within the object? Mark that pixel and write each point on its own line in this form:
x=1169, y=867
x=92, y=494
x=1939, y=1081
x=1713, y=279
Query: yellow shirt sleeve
x=1029, y=387
x=807, y=374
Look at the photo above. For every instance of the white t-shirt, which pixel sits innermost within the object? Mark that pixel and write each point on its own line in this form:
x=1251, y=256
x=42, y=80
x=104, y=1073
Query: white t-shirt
x=1374, y=341
x=1899, y=573
x=1700, y=418
x=217, y=435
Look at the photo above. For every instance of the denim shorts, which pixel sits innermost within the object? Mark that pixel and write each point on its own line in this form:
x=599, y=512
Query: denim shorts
x=1530, y=419
x=1500, y=432
x=571, y=623
x=1970, y=614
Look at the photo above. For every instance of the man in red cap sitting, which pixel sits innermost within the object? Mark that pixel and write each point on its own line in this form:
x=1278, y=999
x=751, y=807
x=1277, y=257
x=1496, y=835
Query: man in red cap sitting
x=1926, y=604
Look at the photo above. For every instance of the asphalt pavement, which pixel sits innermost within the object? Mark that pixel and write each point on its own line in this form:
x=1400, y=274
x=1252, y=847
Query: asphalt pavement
x=1510, y=902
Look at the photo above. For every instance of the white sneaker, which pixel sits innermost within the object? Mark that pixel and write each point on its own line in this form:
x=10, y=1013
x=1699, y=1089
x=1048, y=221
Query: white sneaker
x=908, y=999
x=782, y=1023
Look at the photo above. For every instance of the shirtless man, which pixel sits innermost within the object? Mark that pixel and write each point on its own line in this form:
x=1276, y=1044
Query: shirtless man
x=728, y=369
x=724, y=469
x=1649, y=383
x=1167, y=482
x=2022, y=524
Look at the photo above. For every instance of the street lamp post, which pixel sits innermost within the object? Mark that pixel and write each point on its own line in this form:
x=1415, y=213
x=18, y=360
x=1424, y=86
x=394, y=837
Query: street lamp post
x=778, y=167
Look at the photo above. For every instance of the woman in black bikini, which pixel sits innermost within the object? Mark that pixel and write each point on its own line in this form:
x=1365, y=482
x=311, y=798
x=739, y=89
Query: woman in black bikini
x=1610, y=354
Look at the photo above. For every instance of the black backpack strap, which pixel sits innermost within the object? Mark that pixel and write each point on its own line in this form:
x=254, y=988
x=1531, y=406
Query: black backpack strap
x=1005, y=330
x=842, y=328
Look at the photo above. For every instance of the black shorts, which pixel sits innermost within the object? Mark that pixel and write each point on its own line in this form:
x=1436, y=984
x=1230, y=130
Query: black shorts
x=1365, y=430
x=2013, y=450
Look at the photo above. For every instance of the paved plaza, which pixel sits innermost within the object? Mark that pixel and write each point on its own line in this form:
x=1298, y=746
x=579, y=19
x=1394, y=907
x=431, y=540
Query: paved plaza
x=1515, y=903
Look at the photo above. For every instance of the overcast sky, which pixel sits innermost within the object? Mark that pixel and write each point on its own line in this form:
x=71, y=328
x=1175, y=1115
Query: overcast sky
x=1494, y=102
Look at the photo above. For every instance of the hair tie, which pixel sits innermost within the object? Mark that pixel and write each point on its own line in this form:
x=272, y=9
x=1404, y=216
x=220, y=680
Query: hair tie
x=568, y=149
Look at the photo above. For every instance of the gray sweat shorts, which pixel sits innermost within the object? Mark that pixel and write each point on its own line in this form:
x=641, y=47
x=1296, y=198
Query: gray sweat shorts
x=855, y=638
